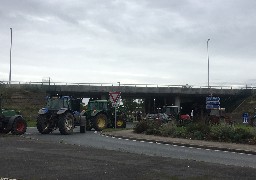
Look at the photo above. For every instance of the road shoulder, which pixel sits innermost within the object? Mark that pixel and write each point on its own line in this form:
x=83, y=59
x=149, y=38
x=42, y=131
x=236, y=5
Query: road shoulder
x=239, y=148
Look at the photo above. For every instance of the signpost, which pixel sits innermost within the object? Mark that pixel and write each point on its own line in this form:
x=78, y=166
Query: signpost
x=114, y=98
x=212, y=102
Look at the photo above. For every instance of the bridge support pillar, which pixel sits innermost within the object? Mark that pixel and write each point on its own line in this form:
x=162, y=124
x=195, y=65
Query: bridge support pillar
x=177, y=101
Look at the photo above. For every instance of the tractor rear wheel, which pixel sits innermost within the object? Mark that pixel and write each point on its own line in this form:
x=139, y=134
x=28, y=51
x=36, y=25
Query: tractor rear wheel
x=100, y=122
x=66, y=123
x=42, y=124
x=19, y=126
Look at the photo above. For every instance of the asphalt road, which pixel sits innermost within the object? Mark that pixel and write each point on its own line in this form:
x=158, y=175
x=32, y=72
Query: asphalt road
x=93, y=156
x=96, y=140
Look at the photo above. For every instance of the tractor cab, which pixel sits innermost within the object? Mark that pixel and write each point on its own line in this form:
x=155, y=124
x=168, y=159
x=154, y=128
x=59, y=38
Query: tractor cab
x=56, y=103
x=171, y=111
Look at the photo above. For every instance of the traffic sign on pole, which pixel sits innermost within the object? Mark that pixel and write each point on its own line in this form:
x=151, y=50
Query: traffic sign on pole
x=212, y=102
x=211, y=98
x=212, y=106
x=114, y=96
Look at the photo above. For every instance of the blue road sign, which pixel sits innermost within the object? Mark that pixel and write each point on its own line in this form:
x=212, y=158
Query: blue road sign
x=211, y=98
x=213, y=102
x=212, y=106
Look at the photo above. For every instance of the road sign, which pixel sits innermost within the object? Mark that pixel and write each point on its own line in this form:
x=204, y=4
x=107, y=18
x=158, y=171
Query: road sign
x=114, y=104
x=212, y=102
x=114, y=96
x=211, y=98
x=212, y=106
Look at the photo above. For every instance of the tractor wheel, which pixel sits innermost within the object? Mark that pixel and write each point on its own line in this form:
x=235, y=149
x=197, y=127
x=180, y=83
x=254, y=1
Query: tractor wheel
x=19, y=126
x=66, y=123
x=120, y=123
x=42, y=124
x=100, y=122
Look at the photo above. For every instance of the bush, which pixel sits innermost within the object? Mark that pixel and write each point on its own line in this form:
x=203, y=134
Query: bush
x=141, y=127
x=180, y=132
x=198, y=131
x=167, y=129
x=148, y=127
x=223, y=133
x=242, y=135
x=153, y=128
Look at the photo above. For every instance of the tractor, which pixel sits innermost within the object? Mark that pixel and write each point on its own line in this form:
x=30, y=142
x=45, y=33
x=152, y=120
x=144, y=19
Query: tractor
x=61, y=112
x=219, y=115
x=11, y=121
x=174, y=113
x=100, y=115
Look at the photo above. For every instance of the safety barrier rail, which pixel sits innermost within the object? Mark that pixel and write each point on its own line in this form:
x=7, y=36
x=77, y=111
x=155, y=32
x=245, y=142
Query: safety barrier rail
x=131, y=85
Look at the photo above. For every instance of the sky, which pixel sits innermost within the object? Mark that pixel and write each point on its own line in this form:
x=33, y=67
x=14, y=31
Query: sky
x=160, y=42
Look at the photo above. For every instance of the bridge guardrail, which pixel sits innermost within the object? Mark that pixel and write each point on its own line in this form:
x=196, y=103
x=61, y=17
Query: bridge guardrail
x=131, y=85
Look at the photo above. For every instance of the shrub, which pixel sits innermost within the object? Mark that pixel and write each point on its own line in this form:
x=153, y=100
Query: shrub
x=141, y=127
x=180, y=132
x=222, y=133
x=198, y=131
x=242, y=135
x=153, y=128
x=167, y=129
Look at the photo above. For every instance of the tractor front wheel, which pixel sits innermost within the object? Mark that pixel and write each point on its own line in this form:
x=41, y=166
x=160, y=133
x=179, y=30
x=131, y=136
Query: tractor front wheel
x=100, y=122
x=66, y=123
x=19, y=126
x=43, y=125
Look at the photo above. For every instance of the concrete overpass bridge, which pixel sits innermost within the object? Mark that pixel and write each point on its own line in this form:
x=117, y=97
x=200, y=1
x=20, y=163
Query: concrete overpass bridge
x=154, y=96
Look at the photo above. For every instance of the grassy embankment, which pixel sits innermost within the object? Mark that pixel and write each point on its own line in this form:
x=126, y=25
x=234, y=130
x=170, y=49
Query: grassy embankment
x=25, y=101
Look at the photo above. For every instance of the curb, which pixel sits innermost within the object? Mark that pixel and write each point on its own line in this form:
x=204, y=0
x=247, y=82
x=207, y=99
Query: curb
x=240, y=151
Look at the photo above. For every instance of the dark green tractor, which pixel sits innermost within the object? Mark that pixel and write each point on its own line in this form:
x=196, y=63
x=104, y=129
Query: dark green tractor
x=11, y=121
x=100, y=115
x=60, y=113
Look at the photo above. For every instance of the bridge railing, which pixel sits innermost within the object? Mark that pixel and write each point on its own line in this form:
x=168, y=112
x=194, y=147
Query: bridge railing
x=130, y=85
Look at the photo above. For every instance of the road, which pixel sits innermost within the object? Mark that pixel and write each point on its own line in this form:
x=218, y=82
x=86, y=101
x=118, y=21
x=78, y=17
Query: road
x=96, y=140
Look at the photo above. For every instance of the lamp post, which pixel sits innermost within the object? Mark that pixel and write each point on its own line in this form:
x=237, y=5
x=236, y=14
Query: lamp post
x=154, y=105
x=10, y=74
x=208, y=62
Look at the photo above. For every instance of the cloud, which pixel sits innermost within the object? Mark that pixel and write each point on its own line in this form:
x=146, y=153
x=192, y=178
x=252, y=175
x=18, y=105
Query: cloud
x=131, y=41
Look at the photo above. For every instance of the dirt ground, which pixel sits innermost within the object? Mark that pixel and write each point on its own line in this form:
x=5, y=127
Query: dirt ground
x=22, y=158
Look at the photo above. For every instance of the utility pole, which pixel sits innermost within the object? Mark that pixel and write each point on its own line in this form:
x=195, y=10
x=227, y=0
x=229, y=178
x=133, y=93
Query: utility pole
x=10, y=74
x=208, y=64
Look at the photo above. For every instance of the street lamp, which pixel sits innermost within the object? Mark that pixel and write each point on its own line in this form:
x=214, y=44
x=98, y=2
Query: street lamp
x=154, y=105
x=10, y=74
x=208, y=62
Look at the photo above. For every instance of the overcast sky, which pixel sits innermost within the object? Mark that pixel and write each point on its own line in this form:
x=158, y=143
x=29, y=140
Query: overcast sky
x=129, y=41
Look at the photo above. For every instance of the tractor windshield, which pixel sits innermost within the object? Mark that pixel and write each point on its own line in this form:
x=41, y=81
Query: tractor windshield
x=56, y=104
x=174, y=110
x=97, y=105
x=92, y=105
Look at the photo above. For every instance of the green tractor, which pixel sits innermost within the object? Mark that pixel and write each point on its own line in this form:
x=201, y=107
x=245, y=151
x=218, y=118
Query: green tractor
x=100, y=115
x=60, y=113
x=11, y=121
